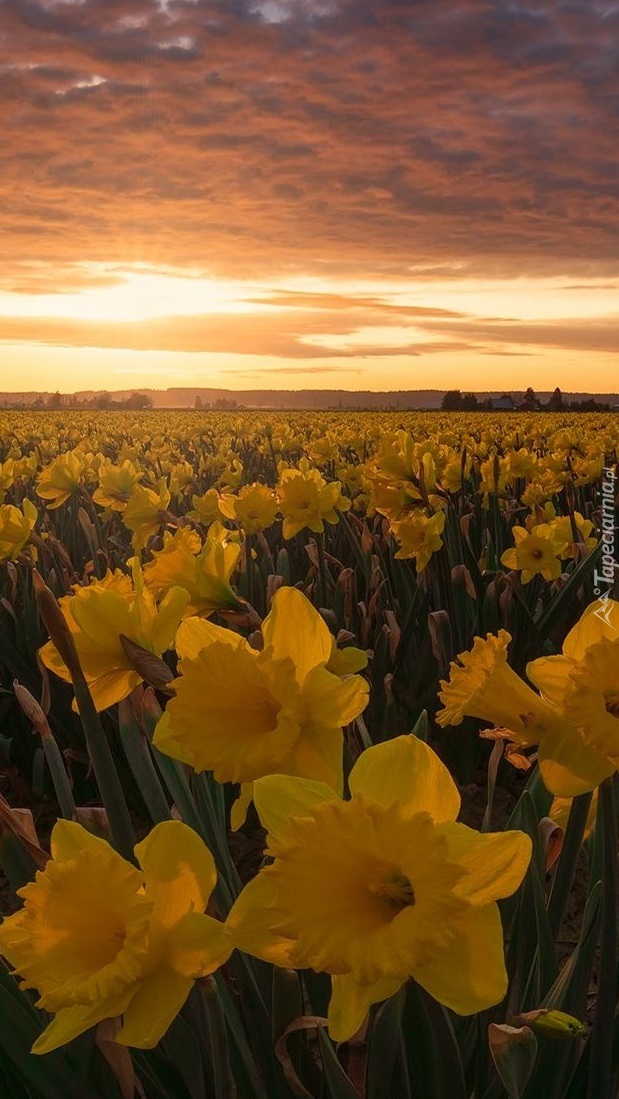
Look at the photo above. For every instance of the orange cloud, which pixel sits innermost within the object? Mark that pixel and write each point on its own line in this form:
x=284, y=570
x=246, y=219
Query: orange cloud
x=255, y=139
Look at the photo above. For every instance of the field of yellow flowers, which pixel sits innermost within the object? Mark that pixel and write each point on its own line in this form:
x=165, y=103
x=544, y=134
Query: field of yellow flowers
x=253, y=669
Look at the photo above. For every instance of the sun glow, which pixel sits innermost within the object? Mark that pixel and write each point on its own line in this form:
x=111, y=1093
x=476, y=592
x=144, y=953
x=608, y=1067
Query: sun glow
x=135, y=295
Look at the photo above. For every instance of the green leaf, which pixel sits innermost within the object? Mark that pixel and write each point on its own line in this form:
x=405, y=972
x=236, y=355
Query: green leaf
x=140, y=760
x=421, y=727
x=384, y=1041
x=566, y=866
x=601, y=1040
x=51, y=1076
x=559, y=607
x=514, y=1050
x=338, y=1083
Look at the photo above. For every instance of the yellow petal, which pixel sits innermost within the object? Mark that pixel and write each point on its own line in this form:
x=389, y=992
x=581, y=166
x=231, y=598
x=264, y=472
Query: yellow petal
x=495, y=862
x=469, y=975
x=165, y=740
x=551, y=675
x=52, y=659
x=568, y=765
x=600, y=619
x=71, y=1021
x=112, y=687
x=407, y=772
x=346, y=661
x=331, y=701
x=70, y=839
x=154, y=1008
x=294, y=628
x=351, y=1001
x=194, y=634
x=102, y=615
x=278, y=798
x=319, y=752
x=239, y=810
x=165, y=625
x=198, y=945
x=179, y=870
x=252, y=919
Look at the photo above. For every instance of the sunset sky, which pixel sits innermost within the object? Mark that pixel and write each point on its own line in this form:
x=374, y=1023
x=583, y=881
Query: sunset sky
x=289, y=194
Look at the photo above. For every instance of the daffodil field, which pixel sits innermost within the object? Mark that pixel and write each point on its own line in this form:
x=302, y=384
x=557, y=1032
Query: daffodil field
x=309, y=731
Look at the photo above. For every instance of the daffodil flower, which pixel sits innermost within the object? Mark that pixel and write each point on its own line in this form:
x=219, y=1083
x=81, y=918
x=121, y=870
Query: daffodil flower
x=536, y=552
x=242, y=713
x=15, y=528
x=97, y=615
x=583, y=682
x=204, y=571
x=61, y=478
x=482, y=685
x=381, y=888
x=254, y=509
x=116, y=483
x=144, y=513
x=306, y=500
x=419, y=536
x=100, y=938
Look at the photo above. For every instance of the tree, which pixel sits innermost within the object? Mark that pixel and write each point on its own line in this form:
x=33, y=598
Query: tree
x=469, y=402
x=137, y=400
x=555, y=404
x=452, y=401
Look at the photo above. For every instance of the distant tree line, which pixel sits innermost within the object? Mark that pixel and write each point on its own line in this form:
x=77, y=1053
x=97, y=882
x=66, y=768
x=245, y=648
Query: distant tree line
x=100, y=402
x=456, y=401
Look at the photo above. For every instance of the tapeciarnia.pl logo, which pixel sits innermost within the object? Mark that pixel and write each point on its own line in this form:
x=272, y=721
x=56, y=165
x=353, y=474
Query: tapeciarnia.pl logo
x=603, y=581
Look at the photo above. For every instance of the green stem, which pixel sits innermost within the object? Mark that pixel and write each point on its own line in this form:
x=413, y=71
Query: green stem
x=121, y=827
x=601, y=1060
x=249, y=568
x=568, y=859
x=322, y=571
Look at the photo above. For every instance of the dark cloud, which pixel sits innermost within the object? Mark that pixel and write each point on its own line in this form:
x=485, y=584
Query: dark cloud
x=359, y=137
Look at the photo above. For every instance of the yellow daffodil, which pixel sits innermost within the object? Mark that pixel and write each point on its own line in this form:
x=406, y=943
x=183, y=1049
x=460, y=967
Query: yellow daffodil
x=242, y=713
x=494, y=474
x=100, y=939
x=116, y=483
x=205, y=509
x=381, y=888
x=15, y=528
x=232, y=475
x=254, y=509
x=204, y=571
x=306, y=500
x=323, y=449
x=482, y=685
x=583, y=682
x=7, y=475
x=521, y=463
x=144, y=513
x=181, y=475
x=61, y=478
x=419, y=536
x=98, y=615
x=562, y=532
x=535, y=553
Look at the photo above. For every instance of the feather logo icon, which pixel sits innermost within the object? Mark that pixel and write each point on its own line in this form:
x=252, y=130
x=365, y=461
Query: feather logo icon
x=604, y=610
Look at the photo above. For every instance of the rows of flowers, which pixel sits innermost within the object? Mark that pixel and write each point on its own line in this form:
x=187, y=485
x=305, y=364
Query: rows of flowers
x=305, y=638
